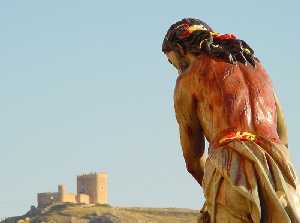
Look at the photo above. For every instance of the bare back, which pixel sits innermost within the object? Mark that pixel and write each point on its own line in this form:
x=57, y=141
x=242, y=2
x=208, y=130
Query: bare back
x=226, y=96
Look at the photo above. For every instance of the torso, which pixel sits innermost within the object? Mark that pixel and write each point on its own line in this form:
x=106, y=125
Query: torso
x=228, y=96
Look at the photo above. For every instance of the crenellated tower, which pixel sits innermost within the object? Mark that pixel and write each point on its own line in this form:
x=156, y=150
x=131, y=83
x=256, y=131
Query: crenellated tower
x=94, y=185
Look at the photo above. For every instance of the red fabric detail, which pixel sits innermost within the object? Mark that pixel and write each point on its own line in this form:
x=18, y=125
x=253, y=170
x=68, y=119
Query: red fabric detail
x=243, y=138
x=258, y=142
x=225, y=36
x=184, y=34
x=231, y=135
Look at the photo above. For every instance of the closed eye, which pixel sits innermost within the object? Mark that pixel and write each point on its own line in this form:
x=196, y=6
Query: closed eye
x=170, y=61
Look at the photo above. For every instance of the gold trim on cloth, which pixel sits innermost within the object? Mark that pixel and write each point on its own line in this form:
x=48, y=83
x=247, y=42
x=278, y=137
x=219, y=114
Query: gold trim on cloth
x=242, y=136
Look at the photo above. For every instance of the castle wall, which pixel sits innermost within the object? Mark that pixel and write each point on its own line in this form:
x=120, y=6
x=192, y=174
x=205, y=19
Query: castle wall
x=68, y=197
x=83, y=198
x=63, y=196
x=45, y=199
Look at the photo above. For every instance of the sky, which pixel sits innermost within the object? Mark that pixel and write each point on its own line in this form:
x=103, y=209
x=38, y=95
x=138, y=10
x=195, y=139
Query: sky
x=84, y=87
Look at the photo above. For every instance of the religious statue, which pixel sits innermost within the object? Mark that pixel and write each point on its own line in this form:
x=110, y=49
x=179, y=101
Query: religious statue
x=224, y=95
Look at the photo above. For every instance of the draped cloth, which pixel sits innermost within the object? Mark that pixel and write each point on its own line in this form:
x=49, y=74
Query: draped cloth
x=249, y=182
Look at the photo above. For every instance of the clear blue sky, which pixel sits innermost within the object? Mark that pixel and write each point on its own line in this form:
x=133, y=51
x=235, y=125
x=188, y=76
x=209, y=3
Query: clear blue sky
x=84, y=87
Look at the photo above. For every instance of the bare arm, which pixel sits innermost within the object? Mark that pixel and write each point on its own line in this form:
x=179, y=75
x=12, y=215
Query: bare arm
x=281, y=123
x=191, y=136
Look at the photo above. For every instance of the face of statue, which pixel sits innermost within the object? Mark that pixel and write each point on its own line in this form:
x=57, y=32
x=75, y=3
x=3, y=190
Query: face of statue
x=181, y=63
x=173, y=59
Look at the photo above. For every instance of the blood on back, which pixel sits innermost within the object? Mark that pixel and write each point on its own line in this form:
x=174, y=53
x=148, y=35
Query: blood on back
x=235, y=96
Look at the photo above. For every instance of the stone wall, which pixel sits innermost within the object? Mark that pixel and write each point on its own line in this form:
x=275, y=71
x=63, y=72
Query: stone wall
x=69, y=197
x=83, y=198
x=64, y=196
x=45, y=199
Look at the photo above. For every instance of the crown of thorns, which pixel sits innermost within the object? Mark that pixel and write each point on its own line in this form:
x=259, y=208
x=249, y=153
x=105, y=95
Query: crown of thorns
x=197, y=37
x=184, y=30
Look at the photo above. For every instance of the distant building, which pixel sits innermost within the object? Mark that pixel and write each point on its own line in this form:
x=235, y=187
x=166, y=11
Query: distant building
x=93, y=185
x=91, y=189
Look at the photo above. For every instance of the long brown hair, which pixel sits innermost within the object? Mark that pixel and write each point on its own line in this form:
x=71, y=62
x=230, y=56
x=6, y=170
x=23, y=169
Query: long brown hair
x=196, y=37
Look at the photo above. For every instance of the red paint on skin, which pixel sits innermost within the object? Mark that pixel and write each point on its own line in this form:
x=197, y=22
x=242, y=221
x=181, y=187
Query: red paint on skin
x=195, y=101
x=229, y=103
x=189, y=131
x=190, y=168
x=231, y=96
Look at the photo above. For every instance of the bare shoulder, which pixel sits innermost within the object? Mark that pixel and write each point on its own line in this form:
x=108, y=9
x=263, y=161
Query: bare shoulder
x=185, y=84
x=183, y=99
x=182, y=91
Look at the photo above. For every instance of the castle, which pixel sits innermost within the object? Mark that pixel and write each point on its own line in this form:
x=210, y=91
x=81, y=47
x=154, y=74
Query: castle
x=91, y=189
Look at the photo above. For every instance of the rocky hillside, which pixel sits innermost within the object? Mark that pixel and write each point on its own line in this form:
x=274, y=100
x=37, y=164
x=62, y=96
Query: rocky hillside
x=75, y=213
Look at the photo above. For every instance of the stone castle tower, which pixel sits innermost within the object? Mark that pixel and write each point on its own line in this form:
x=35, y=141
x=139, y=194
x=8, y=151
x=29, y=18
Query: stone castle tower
x=94, y=185
x=61, y=192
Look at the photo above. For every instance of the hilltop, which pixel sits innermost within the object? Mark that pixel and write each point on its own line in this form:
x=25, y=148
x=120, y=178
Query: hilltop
x=79, y=213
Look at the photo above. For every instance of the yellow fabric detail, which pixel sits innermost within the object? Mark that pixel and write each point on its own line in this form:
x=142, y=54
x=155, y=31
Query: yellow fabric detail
x=238, y=135
x=195, y=28
x=214, y=33
x=246, y=50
